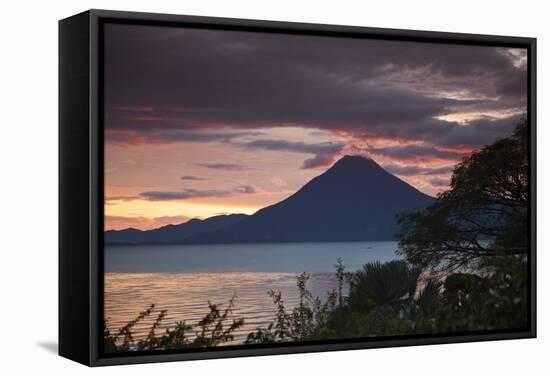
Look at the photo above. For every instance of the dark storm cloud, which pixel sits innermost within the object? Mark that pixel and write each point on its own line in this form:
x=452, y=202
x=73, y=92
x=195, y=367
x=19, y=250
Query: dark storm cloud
x=174, y=135
x=199, y=79
x=192, y=178
x=300, y=147
x=324, y=152
x=245, y=189
x=416, y=170
x=446, y=133
x=224, y=166
x=479, y=132
x=187, y=194
x=319, y=160
x=439, y=182
x=411, y=152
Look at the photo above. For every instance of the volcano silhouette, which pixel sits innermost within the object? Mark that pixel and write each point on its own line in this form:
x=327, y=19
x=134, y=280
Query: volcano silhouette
x=354, y=200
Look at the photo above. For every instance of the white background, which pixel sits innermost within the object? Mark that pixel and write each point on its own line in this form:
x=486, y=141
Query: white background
x=28, y=189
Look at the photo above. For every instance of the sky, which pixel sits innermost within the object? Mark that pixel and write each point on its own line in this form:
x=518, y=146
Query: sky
x=206, y=122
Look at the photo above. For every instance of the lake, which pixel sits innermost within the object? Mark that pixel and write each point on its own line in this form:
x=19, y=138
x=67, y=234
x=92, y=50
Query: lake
x=183, y=278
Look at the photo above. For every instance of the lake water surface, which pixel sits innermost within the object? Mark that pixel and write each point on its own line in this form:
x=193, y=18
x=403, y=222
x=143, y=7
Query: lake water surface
x=183, y=278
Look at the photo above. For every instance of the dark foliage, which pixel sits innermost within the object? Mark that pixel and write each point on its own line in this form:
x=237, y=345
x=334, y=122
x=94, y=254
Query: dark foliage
x=483, y=215
x=301, y=322
x=212, y=331
x=494, y=301
x=383, y=286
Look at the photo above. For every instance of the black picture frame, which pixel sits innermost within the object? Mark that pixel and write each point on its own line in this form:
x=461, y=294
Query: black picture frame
x=81, y=184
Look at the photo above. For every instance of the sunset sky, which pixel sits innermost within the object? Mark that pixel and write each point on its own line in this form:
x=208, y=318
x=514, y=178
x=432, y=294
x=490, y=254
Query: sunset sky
x=203, y=122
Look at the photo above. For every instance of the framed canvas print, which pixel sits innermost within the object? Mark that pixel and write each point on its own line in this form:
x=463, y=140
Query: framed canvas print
x=238, y=187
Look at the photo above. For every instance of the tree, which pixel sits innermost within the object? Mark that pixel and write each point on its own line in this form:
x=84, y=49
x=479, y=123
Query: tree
x=491, y=302
x=482, y=217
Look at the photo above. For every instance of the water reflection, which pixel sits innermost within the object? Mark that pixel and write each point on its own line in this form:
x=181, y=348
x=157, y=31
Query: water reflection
x=182, y=278
x=186, y=295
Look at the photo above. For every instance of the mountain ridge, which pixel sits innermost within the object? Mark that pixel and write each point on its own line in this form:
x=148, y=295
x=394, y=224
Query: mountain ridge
x=354, y=200
x=170, y=234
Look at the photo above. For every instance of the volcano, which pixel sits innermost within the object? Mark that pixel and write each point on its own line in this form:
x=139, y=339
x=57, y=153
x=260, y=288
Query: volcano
x=354, y=200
